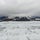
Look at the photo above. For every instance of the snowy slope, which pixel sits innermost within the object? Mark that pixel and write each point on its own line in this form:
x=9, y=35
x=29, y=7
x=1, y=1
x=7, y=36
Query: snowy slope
x=20, y=30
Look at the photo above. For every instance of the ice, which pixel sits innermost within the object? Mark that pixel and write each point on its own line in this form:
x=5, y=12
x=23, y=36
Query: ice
x=13, y=30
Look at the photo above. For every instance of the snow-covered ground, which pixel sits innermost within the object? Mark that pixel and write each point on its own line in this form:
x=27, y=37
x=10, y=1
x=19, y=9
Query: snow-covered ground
x=13, y=30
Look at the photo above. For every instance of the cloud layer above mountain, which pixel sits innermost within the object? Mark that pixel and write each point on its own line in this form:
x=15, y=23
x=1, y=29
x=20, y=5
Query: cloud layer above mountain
x=20, y=7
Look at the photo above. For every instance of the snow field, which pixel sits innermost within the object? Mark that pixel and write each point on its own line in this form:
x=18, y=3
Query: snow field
x=29, y=30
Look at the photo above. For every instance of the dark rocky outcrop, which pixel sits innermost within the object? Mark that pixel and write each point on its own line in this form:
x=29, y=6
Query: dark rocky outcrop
x=24, y=19
x=21, y=19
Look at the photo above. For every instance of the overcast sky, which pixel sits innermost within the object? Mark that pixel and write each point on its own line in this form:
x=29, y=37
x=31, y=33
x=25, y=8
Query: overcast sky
x=20, y=7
